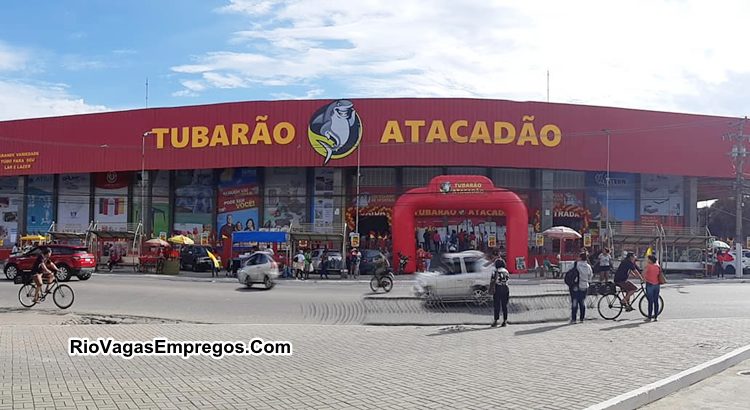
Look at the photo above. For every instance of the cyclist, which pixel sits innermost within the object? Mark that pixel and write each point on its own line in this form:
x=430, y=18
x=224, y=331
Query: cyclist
x=43, y=267
x=627, y=267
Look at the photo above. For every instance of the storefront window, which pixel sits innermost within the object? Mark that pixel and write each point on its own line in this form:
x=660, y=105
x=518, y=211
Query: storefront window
x=73, y=203
x=39, y=212
x=10, y=202
x=286, y=198
x=111, y=200
x=194, y=204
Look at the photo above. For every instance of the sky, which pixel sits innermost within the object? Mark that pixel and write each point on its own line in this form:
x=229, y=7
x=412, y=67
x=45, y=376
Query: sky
x=75, y=56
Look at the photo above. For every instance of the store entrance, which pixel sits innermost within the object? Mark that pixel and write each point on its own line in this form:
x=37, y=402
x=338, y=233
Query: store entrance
x=376, y=225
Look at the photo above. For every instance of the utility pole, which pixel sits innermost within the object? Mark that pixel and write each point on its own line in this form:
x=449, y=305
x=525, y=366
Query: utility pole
x=738, y=154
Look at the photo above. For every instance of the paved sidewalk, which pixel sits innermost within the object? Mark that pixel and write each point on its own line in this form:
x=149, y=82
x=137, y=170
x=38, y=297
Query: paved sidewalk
x=727, y=390
x=528, y=366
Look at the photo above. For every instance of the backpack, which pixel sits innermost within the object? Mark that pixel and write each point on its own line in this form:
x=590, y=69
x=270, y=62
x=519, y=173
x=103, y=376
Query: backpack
x=572, y=276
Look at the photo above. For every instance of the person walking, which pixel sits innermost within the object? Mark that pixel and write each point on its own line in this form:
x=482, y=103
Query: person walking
x=324, y=264
x=653, y=286
x=579, y=290
x=605, y=265
x=308, y=264
x=355, y=260
x=299, y=265
x=500, y=291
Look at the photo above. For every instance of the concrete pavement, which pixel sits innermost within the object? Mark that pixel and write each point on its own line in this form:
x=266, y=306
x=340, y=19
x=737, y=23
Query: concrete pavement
x=521, y=366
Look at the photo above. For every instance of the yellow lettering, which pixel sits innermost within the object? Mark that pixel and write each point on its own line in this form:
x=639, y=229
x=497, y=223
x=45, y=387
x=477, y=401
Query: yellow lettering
x=219, y=137
x=283, y=133
x=160, y=133
x=455, y=136
x=528, y=133
x=480, y=133
x=392, y=132
x=176, y=141
x=414, y=125
x=200, y=137
x=239, y=134
x=436, y=132
x=553, y=140
x=510, y=132
x=260, y=132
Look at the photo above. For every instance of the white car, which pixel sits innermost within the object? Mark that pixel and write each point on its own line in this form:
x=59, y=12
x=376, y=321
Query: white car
x=335, y=261
x=258, y=268
x=458, y=276
x=728, y=264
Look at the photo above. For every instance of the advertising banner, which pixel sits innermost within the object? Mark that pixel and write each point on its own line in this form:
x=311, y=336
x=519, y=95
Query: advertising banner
x=662, y=195
x=285, y=197
x=194, y=203
x=39, y=210
x=10, y=202
x=73, y=203
x=111, y=200
x=159, y=202
x=621, y=196
x=238, y=201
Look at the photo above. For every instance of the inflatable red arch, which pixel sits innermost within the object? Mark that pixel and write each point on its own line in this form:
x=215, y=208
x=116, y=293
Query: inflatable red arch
x=460, y=192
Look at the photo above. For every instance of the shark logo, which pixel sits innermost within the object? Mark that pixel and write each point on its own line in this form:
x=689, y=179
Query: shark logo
x=335, y=130
x=445, y=187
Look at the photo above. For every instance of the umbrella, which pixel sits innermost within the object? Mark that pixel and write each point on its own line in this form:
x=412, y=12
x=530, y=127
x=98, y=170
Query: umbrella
x=34, y=238
x=561, y=232
x=720, y=245
x=181, y=239
x=157, y=242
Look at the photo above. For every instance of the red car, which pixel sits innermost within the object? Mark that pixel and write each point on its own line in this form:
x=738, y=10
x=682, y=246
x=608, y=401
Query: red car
x=70, y=260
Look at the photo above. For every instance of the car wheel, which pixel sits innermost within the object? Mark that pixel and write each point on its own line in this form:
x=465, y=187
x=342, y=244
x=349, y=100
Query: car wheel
x=11, y=271
x=84, y=275
x=267, y=282
x=63, y=273
x=729, y=270
x=479, y=295
x=248, y=282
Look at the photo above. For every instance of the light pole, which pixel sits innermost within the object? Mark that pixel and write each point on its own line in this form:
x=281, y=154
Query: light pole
x=606, y=204
x=359, y=177
x=143, y=180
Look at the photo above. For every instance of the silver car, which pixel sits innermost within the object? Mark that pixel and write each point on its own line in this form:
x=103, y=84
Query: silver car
x=458, y=276
x=335, y=261
x=258, y=268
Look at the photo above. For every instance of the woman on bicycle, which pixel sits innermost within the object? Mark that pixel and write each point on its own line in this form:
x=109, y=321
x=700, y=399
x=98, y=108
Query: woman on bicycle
x=43, y=267
x=651, y=276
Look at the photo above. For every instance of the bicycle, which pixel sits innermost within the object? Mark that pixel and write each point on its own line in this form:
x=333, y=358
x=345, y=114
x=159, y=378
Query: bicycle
x=62, y=295
x=385, y=281
x=611, y=306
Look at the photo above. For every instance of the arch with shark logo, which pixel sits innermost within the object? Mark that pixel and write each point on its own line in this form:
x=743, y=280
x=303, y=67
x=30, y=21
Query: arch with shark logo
x=460, y=192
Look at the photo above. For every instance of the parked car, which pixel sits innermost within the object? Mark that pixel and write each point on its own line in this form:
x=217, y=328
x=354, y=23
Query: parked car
x=373, y=261
x=335, y=261
x=729, y=260
x=195, y=257
x=70, y=261
x=458, y=276
x=258, y=268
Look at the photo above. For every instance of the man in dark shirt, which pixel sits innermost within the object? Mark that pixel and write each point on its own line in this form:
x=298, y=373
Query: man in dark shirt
x=626, y=268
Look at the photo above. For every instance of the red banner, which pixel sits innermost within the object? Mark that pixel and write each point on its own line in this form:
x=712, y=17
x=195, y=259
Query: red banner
x=391, y=132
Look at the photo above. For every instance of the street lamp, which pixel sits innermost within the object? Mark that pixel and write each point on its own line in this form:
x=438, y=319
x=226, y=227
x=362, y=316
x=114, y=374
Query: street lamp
x=143, y=179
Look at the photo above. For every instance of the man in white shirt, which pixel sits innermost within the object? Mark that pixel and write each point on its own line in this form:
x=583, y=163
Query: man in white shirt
x=578, y=292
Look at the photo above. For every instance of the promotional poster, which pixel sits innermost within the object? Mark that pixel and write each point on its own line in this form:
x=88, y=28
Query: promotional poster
x=237, y=201
x=39, y=212
x=73, y=203
x=194, y=203
x=285, y=197
x=111, y=201
x=10, y=202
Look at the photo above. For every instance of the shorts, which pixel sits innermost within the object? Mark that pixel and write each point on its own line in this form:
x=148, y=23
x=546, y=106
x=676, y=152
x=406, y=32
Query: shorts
x=627, y=286
x=601, y=269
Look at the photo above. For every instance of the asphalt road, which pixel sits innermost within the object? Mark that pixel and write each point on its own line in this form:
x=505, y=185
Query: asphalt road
x=297, y=302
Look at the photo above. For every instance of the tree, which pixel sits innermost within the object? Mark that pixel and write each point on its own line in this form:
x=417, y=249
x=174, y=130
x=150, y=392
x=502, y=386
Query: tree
x=721, y=218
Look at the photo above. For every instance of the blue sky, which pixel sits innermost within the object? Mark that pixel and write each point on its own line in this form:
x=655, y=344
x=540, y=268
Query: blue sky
x=84, y=56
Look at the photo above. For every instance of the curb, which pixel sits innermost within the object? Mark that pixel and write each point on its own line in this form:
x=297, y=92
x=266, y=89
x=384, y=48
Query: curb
x=662, y=388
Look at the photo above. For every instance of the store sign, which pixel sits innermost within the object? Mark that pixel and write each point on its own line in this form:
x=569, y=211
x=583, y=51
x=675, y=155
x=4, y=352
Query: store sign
x=354, y=239
x=539, y=239
x=587, y=240
x=459, y=212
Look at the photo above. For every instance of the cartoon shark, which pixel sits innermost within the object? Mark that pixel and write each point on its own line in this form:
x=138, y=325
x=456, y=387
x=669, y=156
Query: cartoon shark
x=337, y=120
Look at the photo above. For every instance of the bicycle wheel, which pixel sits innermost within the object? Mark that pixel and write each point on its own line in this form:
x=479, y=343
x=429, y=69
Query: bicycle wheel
x=610, y=307
x=374, y=285
x=643, y=306
x=387, y=284
x=26, y=295
x=63, y=296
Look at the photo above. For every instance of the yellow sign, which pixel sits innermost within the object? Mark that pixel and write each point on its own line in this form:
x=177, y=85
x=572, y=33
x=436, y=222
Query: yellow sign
x=587, y=240
x=539, y=239
x=354, y=240
x=492, y=241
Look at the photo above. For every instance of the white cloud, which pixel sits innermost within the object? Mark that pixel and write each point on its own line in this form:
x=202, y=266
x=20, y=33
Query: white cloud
x=644, y=54
x=12, y=59
x=23, y=100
